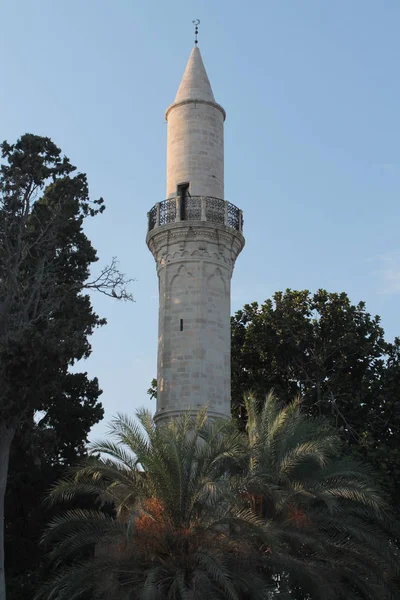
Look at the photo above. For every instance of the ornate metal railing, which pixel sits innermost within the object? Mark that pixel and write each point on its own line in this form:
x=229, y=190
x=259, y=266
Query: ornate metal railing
x=215, y=210
x=152, y=215
x=167, y=211
x=195, y=208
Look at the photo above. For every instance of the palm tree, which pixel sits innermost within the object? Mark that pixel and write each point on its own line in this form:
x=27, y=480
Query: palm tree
x=335, y=530
x=196, y=508
x=173, y=531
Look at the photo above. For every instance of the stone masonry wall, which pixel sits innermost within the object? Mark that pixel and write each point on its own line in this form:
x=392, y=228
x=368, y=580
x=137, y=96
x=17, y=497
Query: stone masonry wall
x=194, y=265
x=195, y=148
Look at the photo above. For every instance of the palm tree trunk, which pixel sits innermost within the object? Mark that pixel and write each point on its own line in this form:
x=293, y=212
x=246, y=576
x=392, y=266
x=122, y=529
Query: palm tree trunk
x=6, y=438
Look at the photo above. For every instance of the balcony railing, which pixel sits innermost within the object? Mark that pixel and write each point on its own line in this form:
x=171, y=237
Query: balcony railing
x=195, y=208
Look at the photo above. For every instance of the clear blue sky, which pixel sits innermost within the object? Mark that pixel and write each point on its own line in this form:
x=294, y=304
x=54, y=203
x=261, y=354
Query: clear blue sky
x=312, y=94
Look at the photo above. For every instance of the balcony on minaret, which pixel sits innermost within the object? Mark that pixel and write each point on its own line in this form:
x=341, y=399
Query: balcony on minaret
x=195, y=237
x=195, y=208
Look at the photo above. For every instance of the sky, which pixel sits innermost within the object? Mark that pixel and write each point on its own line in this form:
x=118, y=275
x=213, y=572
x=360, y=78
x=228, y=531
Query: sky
x=312, y=148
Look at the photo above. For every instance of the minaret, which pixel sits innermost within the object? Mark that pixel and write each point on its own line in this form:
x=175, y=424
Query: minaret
x=195, y=236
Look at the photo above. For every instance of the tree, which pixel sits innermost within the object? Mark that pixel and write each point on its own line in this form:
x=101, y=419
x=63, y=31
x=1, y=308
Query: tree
x=192, y=509
x=173, y=534
x=46, y=317
x=41, y=453
x=335, y=526
x=335, y=356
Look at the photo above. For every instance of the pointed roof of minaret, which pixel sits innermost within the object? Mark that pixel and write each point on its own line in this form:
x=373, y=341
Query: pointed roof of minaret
x=195, y=84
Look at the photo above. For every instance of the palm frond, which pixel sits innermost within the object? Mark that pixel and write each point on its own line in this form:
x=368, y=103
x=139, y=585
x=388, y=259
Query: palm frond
x=201, y=509
x=217, y=573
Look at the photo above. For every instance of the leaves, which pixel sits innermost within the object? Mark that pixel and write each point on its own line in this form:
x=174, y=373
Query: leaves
x=46, y=320
x=201, y=508
x=168, y=486
x=332, y=353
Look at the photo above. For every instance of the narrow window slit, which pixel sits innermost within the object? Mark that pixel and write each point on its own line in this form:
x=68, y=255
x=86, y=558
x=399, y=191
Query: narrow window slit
x=181, y=324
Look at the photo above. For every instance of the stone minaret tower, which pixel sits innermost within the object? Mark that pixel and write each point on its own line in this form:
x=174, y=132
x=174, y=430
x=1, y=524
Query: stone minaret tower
x=195, y=236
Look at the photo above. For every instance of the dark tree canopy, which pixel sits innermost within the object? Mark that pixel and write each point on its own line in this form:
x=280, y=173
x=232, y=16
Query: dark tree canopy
x=46, y=320
x=333, y=354
x=40, y=454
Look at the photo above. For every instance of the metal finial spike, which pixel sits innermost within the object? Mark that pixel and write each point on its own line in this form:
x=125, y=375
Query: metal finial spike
x=196, y=24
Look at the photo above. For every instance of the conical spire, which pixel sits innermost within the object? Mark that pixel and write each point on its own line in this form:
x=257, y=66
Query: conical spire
x=195, y=84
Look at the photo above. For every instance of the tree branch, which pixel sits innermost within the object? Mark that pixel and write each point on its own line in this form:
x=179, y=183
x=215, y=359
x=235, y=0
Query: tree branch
x=111, y=282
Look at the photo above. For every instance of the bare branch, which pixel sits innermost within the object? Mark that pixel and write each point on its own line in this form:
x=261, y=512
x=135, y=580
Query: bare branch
x=112, y=282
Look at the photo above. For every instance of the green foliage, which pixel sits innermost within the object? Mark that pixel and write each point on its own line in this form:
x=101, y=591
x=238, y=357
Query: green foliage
x=46, y=319
x=335, y=356
x=152, y=391
x=336, y=527
x=41, y=453
x=168, y=487
x=201, y=508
